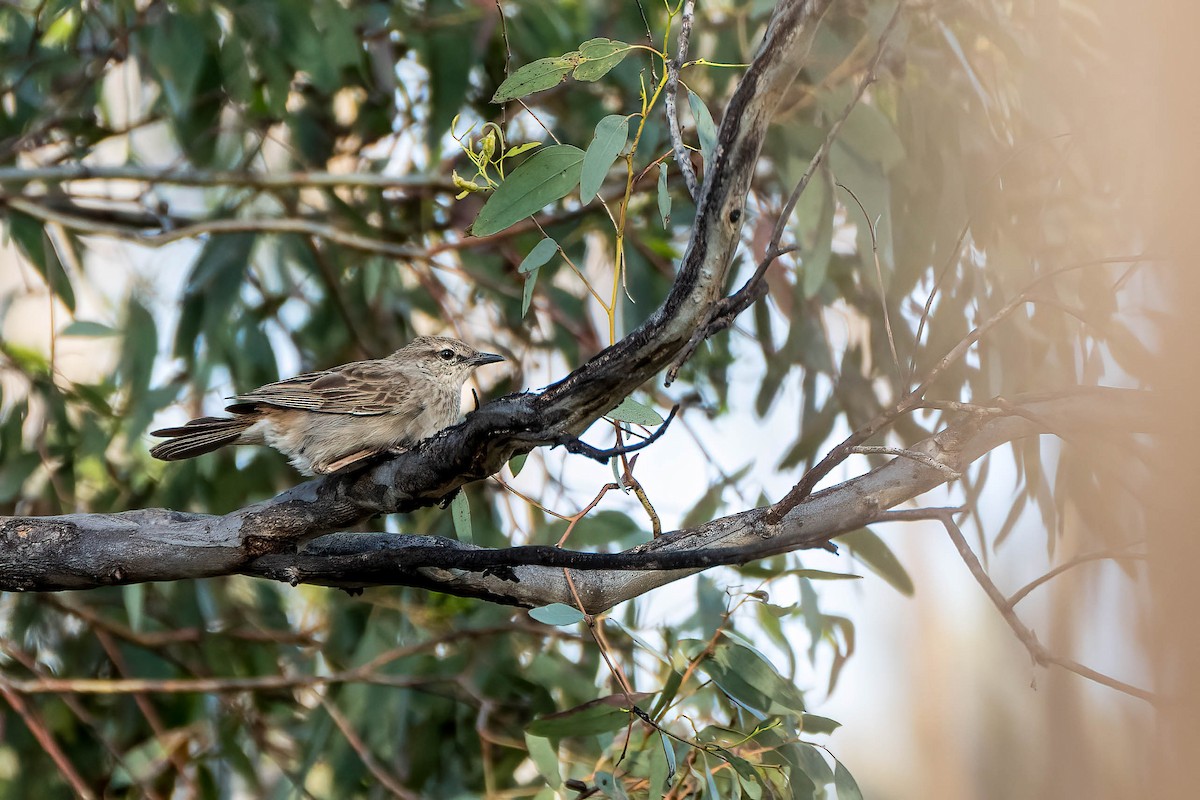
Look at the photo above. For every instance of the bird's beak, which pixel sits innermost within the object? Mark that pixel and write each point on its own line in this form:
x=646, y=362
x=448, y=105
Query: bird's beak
x=485, y=358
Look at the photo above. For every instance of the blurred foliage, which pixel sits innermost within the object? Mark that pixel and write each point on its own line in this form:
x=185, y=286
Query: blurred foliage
x=975, y=179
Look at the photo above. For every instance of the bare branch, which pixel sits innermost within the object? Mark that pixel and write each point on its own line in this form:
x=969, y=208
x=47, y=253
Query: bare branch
x=1037, y=651
x=64, y=173
x=87, y=550
x=683, y=158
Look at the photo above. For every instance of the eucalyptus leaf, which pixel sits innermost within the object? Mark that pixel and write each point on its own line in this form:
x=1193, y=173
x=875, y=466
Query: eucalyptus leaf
x=631, y=411
x=706, y=129
x=844, y=783
x=546, y=177
x=610, y=138
x=536, y=76
x=460, y=510
x=664, y=196
x=542, y=252
x=598, y=57
x=527, y=291
x=872, y=551
x=557, y=614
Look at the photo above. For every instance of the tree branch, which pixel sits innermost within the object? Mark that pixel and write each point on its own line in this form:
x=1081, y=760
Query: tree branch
x=86, y=550
x=682, y=157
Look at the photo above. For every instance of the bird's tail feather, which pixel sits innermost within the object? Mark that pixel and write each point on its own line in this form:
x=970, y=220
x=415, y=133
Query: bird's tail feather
x=199, y=436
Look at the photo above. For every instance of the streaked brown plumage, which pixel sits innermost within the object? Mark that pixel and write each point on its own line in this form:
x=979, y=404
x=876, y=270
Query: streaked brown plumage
x=325, y=421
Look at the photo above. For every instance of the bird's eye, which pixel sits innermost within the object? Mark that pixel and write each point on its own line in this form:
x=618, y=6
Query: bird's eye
x=446, y=355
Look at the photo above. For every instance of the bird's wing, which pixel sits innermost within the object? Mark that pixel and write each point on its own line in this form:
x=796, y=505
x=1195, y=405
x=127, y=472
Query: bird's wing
x=362, y=388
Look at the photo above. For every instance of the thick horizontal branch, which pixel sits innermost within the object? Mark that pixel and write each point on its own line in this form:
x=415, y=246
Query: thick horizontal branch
x=479, y=446
x=534, y=576
x=85, y=550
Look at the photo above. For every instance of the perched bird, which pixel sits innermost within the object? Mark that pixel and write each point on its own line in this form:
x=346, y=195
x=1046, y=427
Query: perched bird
x=325, y=421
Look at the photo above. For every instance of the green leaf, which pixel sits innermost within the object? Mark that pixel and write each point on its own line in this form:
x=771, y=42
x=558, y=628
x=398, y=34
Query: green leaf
x=608, y=785
x=517, y=463
x=545, y=757
x=814, y=723
x=175, y=47
x=460, y=509
x=82, y=327
x=869, y=133
x=658, y=767
x=521, y=148
x=843, y=781
x=548, y=176
x=32, y=240
x=815, y=765
x=748, y=678
x=669, y=752
x=558, y=614
x=527, y=292
x=871, y=550
x=612, y=133
x=134, y=597
x=706, y=129
x=822, y=575
x=536, y=76
x=633, y=412
x=664, y=195
x=598, y=57
x=602, y=715
x=542, y=252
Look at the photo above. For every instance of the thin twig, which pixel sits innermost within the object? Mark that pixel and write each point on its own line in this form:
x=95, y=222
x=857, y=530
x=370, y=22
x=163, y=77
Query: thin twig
x=12, y=692
x=1102, y=555
x=823, y=151
x=1037, y=651
x=683, y=158
x=572, y=444
x=887, y=317
x=364, y=752
x=951, y=260
x=920, y=458
x=916, y=396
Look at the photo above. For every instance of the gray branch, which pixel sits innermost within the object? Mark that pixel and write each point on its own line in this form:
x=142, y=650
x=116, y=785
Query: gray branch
x=86, y=550
x=682, y=157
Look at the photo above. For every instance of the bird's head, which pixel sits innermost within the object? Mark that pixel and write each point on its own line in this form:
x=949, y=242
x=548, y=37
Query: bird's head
x=447, y=359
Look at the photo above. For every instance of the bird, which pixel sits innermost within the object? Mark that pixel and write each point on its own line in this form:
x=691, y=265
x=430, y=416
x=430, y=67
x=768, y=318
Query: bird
x=329, y=420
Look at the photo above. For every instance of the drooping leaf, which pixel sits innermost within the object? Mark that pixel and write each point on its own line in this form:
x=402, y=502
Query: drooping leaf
x=612, y=133
x=659, y=768
x=844, y=783
x=517, y=463
x=631, y=411
x=602, y=715
x=542, y=252
x=750, y=679
x=706, y=129
x=33, y=241
x=527, y=291
x=545, y=757
x=609, y=786
x=460, y=510
x=872, y=551
x=664, y=196
x=557, y=614
x=548, y=176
